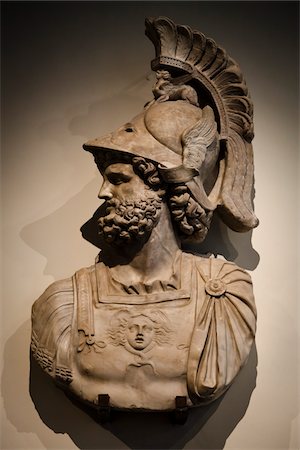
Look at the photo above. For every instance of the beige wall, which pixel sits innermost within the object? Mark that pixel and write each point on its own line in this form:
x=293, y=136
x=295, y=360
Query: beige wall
x=74, y=71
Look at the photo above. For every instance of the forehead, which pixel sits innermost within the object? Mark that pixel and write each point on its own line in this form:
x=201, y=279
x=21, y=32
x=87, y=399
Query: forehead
x=107, y=158
x=140, y=320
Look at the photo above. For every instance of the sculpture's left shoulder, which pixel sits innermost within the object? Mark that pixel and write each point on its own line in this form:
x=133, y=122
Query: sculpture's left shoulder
x=223, y=278
x=217, y=263
x=224, y=329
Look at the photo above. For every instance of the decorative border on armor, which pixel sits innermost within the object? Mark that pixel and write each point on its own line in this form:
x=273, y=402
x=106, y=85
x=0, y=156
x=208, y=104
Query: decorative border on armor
x=64, y=374
x=169, y=61
x=42, y=356
x=85, y=315
x=34, y=342
x=44, y=359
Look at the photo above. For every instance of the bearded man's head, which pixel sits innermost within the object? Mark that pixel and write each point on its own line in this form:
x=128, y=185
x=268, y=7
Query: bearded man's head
x=129, y=221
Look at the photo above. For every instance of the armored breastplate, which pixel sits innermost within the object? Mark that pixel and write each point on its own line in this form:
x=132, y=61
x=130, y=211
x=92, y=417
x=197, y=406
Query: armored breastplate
x=144, y=345
x=131, y=346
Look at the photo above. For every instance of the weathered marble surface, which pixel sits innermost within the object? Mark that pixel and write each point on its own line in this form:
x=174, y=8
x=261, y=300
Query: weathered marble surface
x=148, y=322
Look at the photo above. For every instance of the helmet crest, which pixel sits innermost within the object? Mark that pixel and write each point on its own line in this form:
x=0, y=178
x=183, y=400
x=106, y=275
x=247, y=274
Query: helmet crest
x=198, y=127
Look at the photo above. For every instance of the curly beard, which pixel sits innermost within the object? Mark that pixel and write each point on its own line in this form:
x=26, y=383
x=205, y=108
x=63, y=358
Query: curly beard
x=129, y=221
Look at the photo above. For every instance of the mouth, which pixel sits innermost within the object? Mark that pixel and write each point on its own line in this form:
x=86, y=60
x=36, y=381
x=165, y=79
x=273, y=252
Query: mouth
x=110, y=205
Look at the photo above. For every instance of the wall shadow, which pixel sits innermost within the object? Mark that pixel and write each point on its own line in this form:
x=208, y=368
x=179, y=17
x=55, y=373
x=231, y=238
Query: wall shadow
x=53, y=407
x=234, y=246
x=57, y=235
x=99, y=117
x=16, y=398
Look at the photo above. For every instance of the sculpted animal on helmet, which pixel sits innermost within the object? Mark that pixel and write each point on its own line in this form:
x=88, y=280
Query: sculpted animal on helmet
x=166, y=89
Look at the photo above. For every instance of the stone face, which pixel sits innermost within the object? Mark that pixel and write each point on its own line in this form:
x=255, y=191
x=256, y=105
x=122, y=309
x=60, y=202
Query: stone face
x=149, y=323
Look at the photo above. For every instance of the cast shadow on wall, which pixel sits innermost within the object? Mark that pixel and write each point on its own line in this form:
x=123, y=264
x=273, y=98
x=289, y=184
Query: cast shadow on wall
x=211, y=425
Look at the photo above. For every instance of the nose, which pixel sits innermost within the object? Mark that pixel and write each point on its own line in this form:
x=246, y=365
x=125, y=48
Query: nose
x=139, y=331
x=105, y=191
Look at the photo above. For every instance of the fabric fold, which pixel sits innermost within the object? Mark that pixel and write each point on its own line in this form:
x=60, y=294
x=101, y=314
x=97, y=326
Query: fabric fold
x=224, y=329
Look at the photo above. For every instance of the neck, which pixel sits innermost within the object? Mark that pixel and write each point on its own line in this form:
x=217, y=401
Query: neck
x=154, y=260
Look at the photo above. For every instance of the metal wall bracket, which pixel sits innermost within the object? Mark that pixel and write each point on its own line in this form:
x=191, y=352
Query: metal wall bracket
x=104, y=408
x=181, y=411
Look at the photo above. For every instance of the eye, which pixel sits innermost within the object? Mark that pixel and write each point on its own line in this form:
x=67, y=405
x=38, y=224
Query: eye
x=118, y=178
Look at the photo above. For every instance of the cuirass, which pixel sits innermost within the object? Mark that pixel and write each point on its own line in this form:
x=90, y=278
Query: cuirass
x=135, y=347
x=144, y=345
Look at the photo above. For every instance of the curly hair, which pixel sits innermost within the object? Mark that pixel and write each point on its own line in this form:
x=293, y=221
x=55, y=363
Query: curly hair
x=192, y=221
x=148, y=172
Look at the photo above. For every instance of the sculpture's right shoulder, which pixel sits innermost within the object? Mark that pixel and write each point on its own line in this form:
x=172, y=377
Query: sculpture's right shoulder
x=56, y=296
x=52, y=315
x=60, y=294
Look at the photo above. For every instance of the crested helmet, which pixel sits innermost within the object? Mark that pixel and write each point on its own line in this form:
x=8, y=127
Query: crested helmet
x=199, y=126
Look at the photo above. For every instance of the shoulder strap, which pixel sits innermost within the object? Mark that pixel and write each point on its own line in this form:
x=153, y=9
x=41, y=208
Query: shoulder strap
x=84, y=306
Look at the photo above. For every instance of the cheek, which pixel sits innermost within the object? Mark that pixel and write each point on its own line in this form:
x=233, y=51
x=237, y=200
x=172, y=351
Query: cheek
x=149, y=335
x=131, y=190
x=131, y=334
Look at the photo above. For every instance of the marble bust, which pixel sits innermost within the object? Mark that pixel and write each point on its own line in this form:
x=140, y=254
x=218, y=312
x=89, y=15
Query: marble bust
x=149, y=323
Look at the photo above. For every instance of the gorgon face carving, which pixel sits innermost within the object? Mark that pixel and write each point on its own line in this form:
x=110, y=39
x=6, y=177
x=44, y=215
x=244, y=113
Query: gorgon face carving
x=140, y=332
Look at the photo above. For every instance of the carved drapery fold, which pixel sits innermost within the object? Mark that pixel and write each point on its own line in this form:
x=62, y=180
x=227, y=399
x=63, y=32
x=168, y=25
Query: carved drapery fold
x=224, y=330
